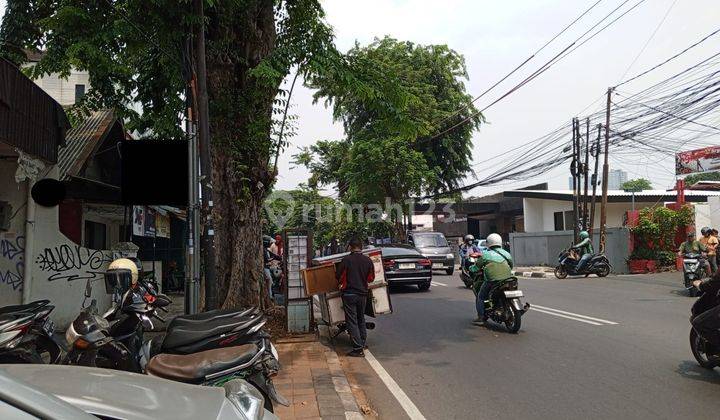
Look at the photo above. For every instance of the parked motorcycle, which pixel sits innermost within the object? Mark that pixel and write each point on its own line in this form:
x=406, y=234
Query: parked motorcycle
x=706, y=354
x=503, y=305
x=209, y=348
x=568, y=261
x=26, y=334
x=693, y=269
x=465, y=275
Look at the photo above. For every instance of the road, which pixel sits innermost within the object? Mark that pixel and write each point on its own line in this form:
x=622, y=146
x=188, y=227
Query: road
x=627, y=355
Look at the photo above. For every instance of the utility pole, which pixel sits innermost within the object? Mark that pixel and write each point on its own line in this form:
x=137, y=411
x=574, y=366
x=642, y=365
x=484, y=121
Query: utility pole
x=586, y=223
x=596, y=155
x=192, y=268
x=207, y=246
x=606, y=170
x=574, y=172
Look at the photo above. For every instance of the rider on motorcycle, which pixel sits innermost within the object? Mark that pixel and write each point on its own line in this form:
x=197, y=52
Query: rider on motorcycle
x=586, y=250
x=468, y=247
x=707, y=324
x=691, y=246
x=496, y=265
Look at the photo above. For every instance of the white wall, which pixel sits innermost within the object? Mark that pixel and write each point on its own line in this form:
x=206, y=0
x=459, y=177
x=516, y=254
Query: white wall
x=12, y=241
x=703, y=217
x=539, y=213
x=63, y=90
x=714, y=210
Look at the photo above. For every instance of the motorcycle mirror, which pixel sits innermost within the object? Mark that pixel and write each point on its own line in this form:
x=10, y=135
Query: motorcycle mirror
x=88, y=288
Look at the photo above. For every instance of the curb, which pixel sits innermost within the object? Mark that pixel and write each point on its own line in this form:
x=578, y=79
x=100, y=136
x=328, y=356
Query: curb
x=533, y=274
x=339, y=378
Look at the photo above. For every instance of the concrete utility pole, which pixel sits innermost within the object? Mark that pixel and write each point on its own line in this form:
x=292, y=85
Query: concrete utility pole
x=594, y=180
x=586, y=165
x=606, y=169
x=192, y=268
x=207, y=245
x=574, y=172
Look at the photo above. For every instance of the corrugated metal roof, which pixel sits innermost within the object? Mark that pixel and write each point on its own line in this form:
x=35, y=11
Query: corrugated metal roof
x=622, y=193
x=80, y=142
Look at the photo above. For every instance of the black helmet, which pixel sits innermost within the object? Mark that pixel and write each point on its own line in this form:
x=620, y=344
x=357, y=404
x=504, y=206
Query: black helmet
x=267, y=241
x=705, y=230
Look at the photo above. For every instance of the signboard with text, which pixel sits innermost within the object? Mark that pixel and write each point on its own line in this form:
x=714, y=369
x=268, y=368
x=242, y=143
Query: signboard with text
x=700, y=160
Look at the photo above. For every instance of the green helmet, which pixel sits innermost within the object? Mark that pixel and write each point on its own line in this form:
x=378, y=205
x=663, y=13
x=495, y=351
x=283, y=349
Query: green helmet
x=584, y=235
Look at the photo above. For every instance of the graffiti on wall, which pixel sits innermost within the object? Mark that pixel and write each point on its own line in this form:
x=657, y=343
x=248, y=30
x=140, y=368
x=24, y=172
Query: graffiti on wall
x=12, y=251
x=72, y=262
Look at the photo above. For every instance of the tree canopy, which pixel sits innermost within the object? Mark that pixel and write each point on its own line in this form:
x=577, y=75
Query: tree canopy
x=395, y=151
x=703, y=176
x=638, y=184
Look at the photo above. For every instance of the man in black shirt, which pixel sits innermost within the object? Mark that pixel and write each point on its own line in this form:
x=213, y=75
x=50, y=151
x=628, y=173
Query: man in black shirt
x=354, y=273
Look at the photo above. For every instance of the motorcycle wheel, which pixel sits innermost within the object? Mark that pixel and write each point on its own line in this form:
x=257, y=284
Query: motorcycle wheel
x=697, y=346
x=512, y=320
x=604, y=271
x=560, y=272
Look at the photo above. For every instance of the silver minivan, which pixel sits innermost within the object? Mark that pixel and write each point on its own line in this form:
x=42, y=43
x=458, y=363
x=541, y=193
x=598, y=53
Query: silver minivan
x=435, y=247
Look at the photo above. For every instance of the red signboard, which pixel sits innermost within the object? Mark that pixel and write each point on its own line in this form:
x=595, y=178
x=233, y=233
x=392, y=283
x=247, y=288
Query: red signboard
x=700, y=160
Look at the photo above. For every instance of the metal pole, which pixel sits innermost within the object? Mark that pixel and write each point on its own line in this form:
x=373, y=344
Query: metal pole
x=606, y=169
x=594, y=180
x=207, y=246
x=633, y=201
x=192, y=266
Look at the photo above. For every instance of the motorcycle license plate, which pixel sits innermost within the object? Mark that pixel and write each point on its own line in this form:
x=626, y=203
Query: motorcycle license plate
x=407, y=266
x=513, y=293
x=48, y=327
x=437, y=265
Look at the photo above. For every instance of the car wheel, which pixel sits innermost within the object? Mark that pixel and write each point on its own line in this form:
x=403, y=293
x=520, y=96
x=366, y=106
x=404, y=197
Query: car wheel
x=450, y=271
x=424, y=287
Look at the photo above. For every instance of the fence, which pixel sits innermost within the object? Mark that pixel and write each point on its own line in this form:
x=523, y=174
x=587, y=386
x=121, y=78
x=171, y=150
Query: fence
x=542, y=248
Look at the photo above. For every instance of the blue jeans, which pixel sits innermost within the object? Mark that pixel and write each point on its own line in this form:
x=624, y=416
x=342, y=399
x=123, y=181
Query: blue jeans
x=481, y=298
x=583, y=262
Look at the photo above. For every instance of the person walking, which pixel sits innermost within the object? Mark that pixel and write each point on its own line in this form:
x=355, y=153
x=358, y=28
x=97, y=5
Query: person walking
x=353, y=274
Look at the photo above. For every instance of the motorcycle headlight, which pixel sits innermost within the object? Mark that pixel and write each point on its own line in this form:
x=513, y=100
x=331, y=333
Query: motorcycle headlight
x=71, y=335
x=245, y=398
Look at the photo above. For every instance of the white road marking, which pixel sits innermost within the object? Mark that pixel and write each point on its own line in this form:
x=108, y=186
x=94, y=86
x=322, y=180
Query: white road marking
x=600, y=320
x=400, y=395
x=534, y=308
x=437, y=283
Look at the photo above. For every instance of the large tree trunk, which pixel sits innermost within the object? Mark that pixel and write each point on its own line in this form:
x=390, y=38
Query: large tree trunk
x=240, y=108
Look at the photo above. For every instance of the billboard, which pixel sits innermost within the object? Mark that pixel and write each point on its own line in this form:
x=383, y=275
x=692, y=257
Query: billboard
x=700, y=160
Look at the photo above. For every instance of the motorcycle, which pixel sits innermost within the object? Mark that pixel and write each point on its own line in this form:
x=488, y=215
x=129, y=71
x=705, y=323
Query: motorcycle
x=465, y=274
x=26, y=334
x=568, y=261
x=693, y=269
x=706, y=354
x=208, y=349
x=503, y=304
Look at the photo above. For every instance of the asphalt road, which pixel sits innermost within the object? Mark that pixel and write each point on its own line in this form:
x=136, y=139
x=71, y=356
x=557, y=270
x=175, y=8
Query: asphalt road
x=560, y=366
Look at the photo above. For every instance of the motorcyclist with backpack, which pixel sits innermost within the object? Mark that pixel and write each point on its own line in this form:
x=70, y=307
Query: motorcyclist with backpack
x=495, y=265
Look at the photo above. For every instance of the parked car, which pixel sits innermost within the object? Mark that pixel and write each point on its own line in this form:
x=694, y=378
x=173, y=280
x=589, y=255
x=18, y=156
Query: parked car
x=434, y=246
x=406, y=265
x=74, y=392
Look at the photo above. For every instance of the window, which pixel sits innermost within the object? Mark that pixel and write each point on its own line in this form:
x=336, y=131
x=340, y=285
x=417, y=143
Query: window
x=430, y=240
x=95, y=234
x=569, y=220
x=79, y=92
x=558, y=218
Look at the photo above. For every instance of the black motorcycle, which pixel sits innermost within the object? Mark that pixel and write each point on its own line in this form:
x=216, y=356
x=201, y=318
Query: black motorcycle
x=26, y=334
x=209, y=348
x=568, y=261
x=503, y=304
x=706, y=354
x=693, y=269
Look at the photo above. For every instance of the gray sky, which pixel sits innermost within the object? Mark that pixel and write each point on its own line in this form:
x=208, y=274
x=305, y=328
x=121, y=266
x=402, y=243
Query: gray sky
x=495, y=37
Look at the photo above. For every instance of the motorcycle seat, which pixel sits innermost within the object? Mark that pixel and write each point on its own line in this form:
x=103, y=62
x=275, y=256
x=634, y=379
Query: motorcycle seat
x=210, y=316
x=193, y=368
x=28, y=307
x=182, y=335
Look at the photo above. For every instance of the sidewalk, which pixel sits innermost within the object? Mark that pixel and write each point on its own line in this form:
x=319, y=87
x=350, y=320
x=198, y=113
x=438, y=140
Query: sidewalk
x=313, y=380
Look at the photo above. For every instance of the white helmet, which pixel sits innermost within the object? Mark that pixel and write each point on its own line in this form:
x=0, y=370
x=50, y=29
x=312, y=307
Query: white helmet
x=493, y=240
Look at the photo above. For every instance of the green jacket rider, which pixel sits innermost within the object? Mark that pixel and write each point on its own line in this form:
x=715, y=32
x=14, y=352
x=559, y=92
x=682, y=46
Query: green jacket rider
x=586, y=251
x=496, y=265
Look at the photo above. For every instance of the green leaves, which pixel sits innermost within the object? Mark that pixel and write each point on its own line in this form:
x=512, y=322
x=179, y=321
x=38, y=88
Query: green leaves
x=636, y=185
